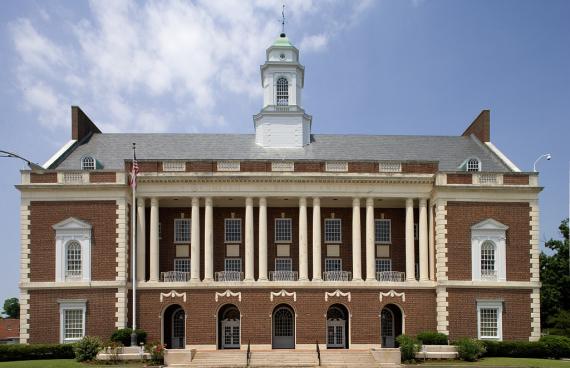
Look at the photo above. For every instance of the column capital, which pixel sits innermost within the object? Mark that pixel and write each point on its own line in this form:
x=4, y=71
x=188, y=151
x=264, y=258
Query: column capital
x=409, y=202
x=262, y=201
x=154, y=201
x=249, y=201
x=369, y=202
x=208, y=201
x=302, y=201
x=195, y=201
x=356, y=202
x=140, y=202
x=423, y=202
x=316, y=201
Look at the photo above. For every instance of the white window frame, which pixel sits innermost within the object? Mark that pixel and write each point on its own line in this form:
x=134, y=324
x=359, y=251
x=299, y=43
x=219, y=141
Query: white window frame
x=286, y=241
x=377, y=234
x=92, y=165
x=330, y=260
x=494, y=231
x=284, y=260
x=469, y=167
x=72, y=229
x=278, y=92
x=336, y=166
x=66, y=305
x=226, y=231
x=379, y=260
x=175, y=237
x=179, y=261
x=330, y=220
x=493, y=252
x=490, y=304
x=80, y=260
x=228, y=165
x=230, y=260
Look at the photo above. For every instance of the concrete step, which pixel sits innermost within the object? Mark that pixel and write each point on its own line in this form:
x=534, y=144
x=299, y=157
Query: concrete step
x=439, y=348
x=347, y=358
x=283, y=358
x=219, y=358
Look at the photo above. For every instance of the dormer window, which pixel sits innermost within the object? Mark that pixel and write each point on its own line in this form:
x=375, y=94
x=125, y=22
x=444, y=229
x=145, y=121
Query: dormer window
x=473, y=164
x=282, y=91
x=87, y=163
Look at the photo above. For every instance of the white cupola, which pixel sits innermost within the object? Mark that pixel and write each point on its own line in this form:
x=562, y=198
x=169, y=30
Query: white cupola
x=282, y=123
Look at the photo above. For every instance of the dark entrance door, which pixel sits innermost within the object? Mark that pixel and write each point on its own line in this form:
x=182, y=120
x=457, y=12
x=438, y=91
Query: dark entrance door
x=283, y=328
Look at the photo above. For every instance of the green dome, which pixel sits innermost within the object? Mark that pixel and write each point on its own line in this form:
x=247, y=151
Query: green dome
x=282, y=41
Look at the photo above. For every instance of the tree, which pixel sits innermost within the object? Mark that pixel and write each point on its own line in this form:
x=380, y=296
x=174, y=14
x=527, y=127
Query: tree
x=555, y=278
x=12, y=308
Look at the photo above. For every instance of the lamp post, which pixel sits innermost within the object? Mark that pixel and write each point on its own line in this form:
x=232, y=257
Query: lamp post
x=548, y=156
x=31, y=165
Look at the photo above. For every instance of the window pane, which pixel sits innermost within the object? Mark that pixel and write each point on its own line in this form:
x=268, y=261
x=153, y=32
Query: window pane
x=182, y=230
x=73, y=323
x=283, y=264
x=383, y=264
x=473, y=165
x=488, y=318
x=73, y=260
x=383, y=231
x=333, y=231
x=333, y=264
x=488, y=260
x=233, y=230
x=233, y=264
x=283, y=231
x=282, y=92
x=182, y=264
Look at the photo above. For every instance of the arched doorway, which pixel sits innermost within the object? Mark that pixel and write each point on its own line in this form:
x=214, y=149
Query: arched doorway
x=337, y=327
x=283, y=328
x=174, y=327
x=390, y=325
x=229, y=327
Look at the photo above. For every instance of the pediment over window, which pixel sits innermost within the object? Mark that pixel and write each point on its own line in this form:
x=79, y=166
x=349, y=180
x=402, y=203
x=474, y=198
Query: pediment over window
x=489, y=224
x=72, y=224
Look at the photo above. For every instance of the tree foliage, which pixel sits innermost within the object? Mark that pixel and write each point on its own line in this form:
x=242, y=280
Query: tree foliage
x=555, y=278
x=12, y=308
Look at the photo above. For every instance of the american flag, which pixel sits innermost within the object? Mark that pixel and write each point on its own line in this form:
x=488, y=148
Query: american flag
x=134, y=170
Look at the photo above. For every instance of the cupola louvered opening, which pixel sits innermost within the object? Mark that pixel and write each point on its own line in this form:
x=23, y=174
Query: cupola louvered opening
x=282, y=92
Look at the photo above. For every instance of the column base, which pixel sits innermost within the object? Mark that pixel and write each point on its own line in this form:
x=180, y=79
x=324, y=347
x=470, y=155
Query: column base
x=317, y=279
x=263, y=280
x=357, y=279
x=370, y=280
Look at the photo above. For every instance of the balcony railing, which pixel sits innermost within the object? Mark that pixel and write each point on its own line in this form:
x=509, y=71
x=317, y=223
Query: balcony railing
x=337, y=276
x=174, y=276
x=489, y=275
x=283, y=276
x=391, y=276
x=226, y=276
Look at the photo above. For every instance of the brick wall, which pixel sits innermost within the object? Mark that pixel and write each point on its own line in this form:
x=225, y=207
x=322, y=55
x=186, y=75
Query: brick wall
x=100, y=214
x=462, y=215
x=45, y=320
x=256, y=309
x=102, y=177
x=459, y=179
x=463, y=312
x=37, y=178
x=420, y=167
x=515, y=179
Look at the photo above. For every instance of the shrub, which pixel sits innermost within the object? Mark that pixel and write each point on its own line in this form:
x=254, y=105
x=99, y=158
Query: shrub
x=35, y=351
x=556, y=346
x=123, y=336
x=87, y=348
x=560, y=323
x=114, y=348
x=156, y=351
x=408, y=347
x=432, y=338
x=515, y=349
x=470, y=349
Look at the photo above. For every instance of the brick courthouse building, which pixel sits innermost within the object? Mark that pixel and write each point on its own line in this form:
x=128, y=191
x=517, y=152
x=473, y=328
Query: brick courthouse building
x=280, y=238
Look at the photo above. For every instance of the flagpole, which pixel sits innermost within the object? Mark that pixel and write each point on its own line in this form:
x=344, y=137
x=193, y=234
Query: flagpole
x=133, y=247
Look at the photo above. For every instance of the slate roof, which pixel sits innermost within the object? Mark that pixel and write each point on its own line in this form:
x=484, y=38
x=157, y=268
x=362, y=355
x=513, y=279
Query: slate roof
x=112, y=149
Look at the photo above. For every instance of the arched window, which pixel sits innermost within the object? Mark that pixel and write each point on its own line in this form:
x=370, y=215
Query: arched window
x=282, y=92
x=87, y=163
x=73, y=260
x=488, y=270
x=473, y=165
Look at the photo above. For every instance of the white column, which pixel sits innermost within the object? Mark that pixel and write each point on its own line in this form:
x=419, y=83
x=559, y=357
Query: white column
x=431, y=243
x=154, y=249
x=356, y=241
x=303, y=251
x=370, y=241
x=209, y=240
x=195, y=241
x=262, y=239
x=141, y=240
x=316, y=239
x=410, y=257
x=423, y=244
x=249, y=239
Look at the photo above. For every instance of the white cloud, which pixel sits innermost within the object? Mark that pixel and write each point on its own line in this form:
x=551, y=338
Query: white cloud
x=131, y=62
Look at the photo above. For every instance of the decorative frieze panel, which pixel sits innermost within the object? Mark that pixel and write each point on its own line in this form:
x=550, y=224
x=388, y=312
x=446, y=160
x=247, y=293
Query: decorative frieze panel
x=227, y=294
x=283, y=293
x=173, y=166
x=228, y=166
x=173, y=294
x=337, y=294
x=283, y=166
x=336, y=166
x=389, y=166
x=392, y=294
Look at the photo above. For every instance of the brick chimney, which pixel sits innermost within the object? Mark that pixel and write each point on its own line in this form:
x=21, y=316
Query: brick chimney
x=81, y=125
x=480, y=127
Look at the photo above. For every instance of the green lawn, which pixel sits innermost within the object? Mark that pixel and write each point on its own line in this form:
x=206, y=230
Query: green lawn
x=63, y=363
x=502, y=362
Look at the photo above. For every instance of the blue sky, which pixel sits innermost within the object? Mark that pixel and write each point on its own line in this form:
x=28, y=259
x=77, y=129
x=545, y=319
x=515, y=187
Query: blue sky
x=372, y=67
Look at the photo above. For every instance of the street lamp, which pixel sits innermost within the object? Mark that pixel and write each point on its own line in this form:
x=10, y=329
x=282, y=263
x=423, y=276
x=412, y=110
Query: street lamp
x=31, y=165
x=548, y=156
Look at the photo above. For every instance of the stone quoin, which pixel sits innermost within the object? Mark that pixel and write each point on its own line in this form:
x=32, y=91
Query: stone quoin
x=281, y=238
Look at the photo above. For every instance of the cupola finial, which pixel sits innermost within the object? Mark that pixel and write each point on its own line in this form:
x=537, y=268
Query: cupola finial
x=283, y=21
